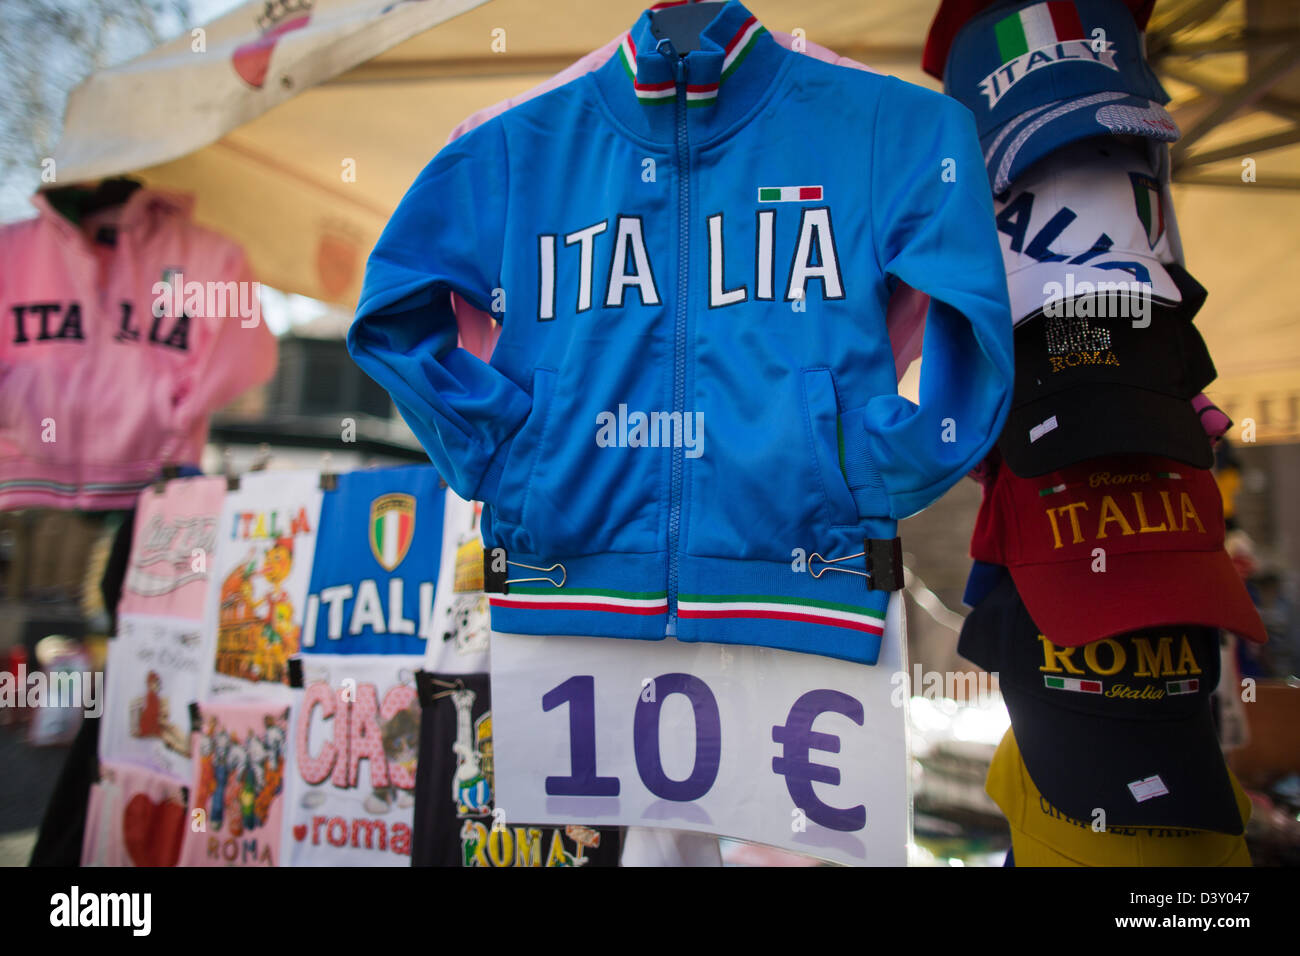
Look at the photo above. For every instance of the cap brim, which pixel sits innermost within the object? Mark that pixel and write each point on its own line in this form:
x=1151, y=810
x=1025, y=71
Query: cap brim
x=1031, y=851
x=1101, y=420
x=983, y=578
x=1084, y=762
x=1020, y=142
x=1033, y=287
x=1074, y=605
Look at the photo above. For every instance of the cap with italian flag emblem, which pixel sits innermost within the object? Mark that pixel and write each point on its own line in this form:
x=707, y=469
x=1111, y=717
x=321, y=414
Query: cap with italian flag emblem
x=953, y=15
x=1122, y=725
x=1042, y=74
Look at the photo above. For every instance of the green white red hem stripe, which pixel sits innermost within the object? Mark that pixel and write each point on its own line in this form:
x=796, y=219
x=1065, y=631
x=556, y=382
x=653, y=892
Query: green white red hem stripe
x=1074, y=684
x=768, y=607
x=613, y=602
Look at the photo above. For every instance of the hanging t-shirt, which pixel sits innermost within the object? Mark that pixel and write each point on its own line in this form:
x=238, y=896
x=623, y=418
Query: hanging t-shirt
x=355, y=730
x=266, y=542
x=134, y=817
x=241, y=758
x=174, y=540
x=459, y=641
x=376, y=569
x=156, y=668
x=161, y=659
x=456, y=820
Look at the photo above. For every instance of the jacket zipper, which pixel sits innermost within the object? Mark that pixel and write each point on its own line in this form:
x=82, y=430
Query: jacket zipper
x=679, y=338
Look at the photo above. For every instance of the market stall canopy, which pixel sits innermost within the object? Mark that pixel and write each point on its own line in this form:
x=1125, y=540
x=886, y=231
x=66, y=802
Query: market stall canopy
x=299, y=124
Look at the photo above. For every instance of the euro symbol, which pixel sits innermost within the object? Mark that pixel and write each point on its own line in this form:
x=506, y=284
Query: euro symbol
x=797, y=738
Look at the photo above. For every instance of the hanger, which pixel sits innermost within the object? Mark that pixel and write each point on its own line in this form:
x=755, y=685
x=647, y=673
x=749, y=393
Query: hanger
x=682, y=24
x=75, y=203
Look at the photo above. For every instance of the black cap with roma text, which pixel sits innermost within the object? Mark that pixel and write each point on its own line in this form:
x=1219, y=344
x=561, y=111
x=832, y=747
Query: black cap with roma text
x=1122, y=725
x=1089, y=386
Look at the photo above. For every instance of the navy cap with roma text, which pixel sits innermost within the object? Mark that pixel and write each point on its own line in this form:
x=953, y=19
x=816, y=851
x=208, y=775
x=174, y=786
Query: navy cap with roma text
x=1122, y=725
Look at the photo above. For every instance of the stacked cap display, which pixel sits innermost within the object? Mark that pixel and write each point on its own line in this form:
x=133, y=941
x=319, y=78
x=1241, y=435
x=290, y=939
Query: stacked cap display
x=1101, y=580
x=1108, y=360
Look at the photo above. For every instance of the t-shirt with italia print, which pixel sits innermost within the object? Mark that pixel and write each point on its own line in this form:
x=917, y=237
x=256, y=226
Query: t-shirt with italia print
x=455, y=819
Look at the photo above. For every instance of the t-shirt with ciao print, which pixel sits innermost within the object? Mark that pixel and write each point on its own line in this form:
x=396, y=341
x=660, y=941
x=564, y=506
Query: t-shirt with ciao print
x=134, y=817
x=266, y=543
x=355, y=729
x=241, y=757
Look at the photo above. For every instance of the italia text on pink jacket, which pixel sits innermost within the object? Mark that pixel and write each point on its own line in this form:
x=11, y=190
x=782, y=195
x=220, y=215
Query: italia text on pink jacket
x=113, y=356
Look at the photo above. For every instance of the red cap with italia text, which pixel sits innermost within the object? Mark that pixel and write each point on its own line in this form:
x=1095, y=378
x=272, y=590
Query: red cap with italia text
x=1115, y=544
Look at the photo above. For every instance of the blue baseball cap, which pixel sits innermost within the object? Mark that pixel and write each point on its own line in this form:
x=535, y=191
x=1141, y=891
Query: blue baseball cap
x=983, y=579
x=1042, y=74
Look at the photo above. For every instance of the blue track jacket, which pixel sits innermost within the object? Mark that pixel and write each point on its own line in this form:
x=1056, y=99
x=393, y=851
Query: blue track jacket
x=693, y=404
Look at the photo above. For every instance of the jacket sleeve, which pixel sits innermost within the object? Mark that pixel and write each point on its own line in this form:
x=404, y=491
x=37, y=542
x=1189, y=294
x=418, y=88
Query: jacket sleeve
x=932, y=219
x=237, y=351
x=447, y=235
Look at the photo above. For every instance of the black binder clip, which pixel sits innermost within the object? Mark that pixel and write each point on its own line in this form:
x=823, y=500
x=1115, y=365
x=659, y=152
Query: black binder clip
x=883, y=558
x=884, y=563
x=430, y=688
x=329, y=479
x=169, y=473
x=496, y=566
x=295, y=673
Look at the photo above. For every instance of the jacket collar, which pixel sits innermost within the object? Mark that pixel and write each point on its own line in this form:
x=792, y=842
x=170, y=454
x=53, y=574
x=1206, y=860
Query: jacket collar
x=142, y=209
x=731, y=71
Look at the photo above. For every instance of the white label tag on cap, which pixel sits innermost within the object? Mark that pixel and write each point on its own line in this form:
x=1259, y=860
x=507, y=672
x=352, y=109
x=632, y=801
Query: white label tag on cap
x=1038, y=431
x=1148, y=789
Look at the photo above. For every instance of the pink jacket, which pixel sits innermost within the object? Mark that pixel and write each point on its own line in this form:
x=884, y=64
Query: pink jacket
x=96, y=393
x=907, y=308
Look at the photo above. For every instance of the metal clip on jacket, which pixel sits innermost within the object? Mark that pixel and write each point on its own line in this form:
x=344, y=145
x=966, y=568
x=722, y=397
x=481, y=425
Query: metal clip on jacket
x=884, y=564
x=495, y=564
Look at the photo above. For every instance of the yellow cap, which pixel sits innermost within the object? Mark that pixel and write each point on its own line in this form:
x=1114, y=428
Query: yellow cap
x=1042, y=835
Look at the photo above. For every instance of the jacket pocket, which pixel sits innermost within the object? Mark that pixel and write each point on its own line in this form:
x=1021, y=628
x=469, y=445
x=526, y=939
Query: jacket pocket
x=822, y=419
x=521, y=458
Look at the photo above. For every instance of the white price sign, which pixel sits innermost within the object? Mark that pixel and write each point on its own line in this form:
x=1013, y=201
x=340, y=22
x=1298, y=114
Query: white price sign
x=794, y=750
